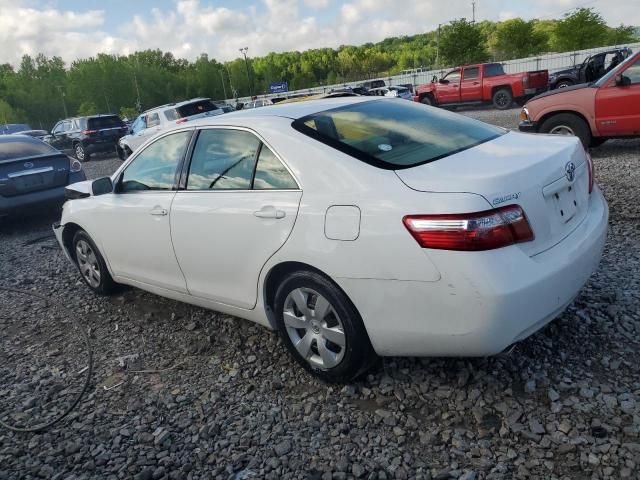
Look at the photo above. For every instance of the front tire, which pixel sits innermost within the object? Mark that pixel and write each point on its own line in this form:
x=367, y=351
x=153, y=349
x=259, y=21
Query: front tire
x=502, y=99
x=91, y=264
x=567, y=124
x=80, y=153
x=321, y=328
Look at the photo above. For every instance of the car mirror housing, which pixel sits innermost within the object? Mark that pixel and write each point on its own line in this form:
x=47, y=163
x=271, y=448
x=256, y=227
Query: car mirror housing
x=101, y=186
x=622, y=81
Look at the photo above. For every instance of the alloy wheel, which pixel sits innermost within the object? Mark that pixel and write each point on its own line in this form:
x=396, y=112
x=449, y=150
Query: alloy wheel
x=502, y=99
x=314, y=328
x=88, y=263
x=79, y=152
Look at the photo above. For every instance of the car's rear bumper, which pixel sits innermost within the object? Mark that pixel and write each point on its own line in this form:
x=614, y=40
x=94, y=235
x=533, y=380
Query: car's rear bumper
x=41, y=199
x=485, y=301
x=531, y=92
x=101, y=147
x=528, y=126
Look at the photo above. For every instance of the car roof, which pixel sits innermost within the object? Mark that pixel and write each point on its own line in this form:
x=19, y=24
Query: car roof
x=176, y=104
x=288, y=110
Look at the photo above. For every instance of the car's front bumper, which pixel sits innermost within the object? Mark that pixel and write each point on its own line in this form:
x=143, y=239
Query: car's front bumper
x=485, y=301
x=528, y=126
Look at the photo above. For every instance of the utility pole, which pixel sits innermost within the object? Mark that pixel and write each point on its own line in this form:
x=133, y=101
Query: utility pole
x=138, y=102
x=64, y=103
x=246, y=65
x=223, y=86
x=438, y=47
x=473, y=11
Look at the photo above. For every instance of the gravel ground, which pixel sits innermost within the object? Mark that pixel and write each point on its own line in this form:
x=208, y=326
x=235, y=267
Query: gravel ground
x=179, y=392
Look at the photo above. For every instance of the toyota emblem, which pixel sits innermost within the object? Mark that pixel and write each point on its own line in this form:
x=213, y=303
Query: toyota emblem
x=28, y=165
x=570, y=171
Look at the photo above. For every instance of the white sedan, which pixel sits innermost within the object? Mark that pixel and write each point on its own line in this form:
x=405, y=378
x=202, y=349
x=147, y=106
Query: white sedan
x=353, y=226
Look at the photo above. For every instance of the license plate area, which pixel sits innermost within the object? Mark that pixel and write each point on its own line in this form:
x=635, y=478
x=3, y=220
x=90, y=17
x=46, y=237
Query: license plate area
x=566, y=203
x=28, y=182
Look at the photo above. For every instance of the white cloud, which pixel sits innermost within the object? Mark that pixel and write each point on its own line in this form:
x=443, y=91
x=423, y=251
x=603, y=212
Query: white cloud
x=190, y=27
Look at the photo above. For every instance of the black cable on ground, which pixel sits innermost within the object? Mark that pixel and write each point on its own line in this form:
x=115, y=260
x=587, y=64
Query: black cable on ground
x=85, y=335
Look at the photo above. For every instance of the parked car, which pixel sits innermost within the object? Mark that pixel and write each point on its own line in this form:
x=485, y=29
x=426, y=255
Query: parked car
x=369, y=84
x=85, y=136
x=9, y=128
x=607, y=108
x=486, y=234
x=33, y=174
x=39, y=134
x=400, y=92
x=260, y=102
x=593, y=68
x=483, y=83
x=157, y=119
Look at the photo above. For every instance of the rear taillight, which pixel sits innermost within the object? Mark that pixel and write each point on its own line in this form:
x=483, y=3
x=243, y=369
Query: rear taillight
x=74, y=165
x=89, y=132
x=591, y=172
x=182, y=120
x=471, y=231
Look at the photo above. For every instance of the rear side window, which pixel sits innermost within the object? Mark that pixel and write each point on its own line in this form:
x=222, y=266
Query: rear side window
x=395, y=135
x=11, y=147
x=99, y=123
x=223, y=160
x=271, y=173
x=493, y=70
x=171, y=114
x=195, y=108
x=153, y=120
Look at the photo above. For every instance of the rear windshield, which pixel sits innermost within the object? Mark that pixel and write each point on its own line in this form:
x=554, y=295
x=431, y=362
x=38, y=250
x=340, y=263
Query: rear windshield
x=99, y=123
x=394, y=134
x=493, y=70
x=195, y=108
x=7, y=129
x=12, y=147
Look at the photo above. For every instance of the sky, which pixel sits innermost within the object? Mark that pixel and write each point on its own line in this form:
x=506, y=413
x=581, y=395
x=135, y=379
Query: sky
x=187, y=28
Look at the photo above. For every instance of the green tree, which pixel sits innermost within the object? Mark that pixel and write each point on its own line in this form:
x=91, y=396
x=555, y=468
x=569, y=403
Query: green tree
x=462, y=42
x=584, y=28
x=87, y=108
x=516, y=38
x=621, y=34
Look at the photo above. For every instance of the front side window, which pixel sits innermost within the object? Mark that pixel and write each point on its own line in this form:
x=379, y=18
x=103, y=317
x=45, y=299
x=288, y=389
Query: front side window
x=223, y=160
x=139, y=124
x=59, y=128
x=155, y=167
x=271, y=173
x=395, y=135
x=453, y=77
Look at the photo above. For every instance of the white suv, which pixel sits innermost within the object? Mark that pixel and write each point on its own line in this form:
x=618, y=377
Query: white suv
x=156, y=119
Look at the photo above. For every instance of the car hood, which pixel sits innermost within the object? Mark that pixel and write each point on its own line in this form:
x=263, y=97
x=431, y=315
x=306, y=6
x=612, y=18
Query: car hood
x=558, y=91
x=563, y=72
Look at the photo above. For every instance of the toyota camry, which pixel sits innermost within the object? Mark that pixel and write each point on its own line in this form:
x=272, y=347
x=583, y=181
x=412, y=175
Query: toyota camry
x=355, y=227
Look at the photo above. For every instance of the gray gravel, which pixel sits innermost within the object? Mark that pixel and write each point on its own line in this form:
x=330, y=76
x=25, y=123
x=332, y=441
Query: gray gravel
x=179, y=392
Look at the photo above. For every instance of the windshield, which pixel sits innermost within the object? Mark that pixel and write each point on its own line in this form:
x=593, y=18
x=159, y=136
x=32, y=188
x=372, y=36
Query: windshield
x=393, y=134
x=613, y=72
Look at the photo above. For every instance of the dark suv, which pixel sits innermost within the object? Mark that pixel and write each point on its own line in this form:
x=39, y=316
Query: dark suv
x=593, y=67
x=84, y=136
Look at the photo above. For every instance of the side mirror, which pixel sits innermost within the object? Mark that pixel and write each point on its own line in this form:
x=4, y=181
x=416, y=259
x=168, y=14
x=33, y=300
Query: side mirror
x=622, y=81
x=101, y=186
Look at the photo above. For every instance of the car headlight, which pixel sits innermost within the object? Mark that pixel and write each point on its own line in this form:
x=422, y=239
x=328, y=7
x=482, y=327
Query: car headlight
x=524, y=114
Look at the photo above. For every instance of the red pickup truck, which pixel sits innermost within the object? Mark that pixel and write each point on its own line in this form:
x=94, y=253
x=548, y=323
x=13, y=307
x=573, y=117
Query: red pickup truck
x=483, y=83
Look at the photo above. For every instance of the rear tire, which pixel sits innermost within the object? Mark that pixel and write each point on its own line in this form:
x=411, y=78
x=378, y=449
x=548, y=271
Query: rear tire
x=321, y=328
x=91, y=264
x=80, y=153
x=567, y=124
x=502, y=99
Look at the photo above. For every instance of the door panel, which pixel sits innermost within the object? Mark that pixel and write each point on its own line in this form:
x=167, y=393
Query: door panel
x=471, y=85
x=618, y=107
x=223, y=239
x=449, y=92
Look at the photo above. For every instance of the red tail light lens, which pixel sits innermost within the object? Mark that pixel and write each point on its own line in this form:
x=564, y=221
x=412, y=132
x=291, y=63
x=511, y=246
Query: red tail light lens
x=182, y=120
x=471, y=231
x=591, y=171
x=89, y=132
x=74, y=165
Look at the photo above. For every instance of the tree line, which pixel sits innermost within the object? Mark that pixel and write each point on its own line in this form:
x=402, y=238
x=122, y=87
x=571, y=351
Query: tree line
x=42, y=90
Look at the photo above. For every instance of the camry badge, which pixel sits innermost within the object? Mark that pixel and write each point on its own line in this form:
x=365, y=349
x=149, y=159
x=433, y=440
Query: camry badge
x=570, y=171
x=28, y=165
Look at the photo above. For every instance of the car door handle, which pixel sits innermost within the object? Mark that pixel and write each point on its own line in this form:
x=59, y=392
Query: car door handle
x=269, y=212
x=476, y=83
x=159, y=211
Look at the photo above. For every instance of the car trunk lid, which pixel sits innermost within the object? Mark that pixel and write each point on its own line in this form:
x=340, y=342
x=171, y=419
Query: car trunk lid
x=32, y=174
x=520, y=169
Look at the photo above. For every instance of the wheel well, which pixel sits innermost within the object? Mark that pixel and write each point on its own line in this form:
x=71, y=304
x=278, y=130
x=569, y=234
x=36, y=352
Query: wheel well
x=70, y=229
x=548, y=115
x=277, y=274
x=427, y=94
x=501, y=87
